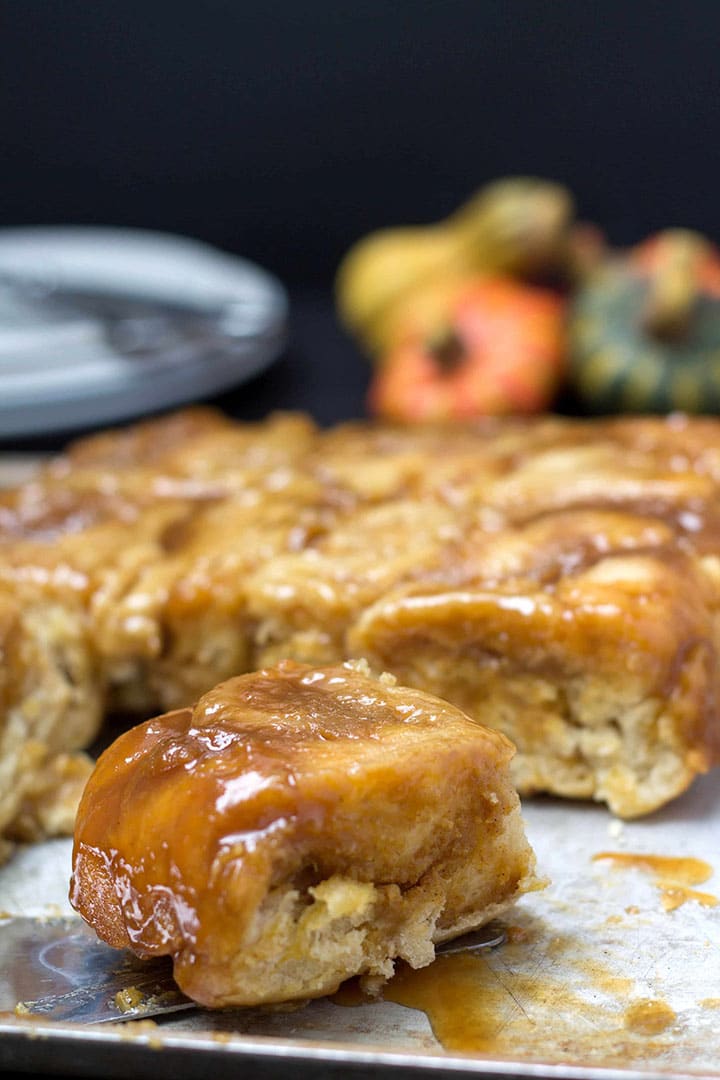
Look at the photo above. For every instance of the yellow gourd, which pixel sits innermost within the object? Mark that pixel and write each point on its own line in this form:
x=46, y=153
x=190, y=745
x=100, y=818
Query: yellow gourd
x=519, y=227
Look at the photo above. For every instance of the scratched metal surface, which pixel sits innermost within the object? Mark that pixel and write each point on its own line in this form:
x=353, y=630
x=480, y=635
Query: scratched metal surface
x=595, y=941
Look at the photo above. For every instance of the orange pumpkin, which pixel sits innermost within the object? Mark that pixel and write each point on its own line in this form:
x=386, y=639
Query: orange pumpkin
x=499, y=351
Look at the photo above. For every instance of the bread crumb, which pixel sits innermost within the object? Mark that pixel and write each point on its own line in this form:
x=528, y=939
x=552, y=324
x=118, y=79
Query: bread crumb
x=146, y=1028
x=361, y=666
x=616, y=829
x=129, y=998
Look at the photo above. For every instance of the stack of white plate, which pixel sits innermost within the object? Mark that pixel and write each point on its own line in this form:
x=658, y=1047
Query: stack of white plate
x=100, y=324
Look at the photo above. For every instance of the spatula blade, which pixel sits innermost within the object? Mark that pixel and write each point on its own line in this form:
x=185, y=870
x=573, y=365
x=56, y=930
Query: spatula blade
x=58, y=969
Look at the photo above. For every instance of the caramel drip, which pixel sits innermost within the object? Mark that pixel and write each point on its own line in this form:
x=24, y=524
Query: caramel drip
x=674, y=896
x=682, y=869
x=475, y=1007
x=649, y=1016
x=673, y=876
x=460, y=997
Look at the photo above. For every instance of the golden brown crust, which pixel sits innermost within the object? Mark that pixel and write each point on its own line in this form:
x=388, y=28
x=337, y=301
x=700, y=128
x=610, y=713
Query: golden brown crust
x=557, y=578
x=292, y=805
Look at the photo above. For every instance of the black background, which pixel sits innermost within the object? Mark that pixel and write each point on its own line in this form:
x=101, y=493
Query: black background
x=286, y=130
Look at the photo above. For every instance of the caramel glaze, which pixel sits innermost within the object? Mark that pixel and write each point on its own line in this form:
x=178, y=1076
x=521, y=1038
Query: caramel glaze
x=673, y=876
x=649, y=1016
x=674, y=896
x=578, y=553
x=479, y=1007
x=286, y=775
x=473, y=1008
x=682, y=869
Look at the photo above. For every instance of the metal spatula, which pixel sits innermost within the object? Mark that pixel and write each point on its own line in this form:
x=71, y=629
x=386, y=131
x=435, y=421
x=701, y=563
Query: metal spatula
x=57, y=968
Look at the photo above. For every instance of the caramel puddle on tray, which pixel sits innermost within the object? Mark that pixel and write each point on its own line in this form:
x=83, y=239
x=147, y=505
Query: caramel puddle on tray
x=673, y=876
x=674, y=896
x=474, y=1007
x=649, y=1016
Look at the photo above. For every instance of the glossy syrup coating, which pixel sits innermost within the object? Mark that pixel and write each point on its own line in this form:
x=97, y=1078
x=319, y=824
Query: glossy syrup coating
x=556, y=578
x=281, y=780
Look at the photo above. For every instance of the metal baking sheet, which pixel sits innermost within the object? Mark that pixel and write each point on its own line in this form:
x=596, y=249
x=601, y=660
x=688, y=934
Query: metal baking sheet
x=582, y=953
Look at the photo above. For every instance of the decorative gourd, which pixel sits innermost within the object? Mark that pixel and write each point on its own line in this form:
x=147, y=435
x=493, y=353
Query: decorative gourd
x=644, y=335
x=501, y=351
x=518, y=226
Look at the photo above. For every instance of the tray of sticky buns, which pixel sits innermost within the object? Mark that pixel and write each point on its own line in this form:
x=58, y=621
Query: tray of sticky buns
x=556, y=579
x=549, y=584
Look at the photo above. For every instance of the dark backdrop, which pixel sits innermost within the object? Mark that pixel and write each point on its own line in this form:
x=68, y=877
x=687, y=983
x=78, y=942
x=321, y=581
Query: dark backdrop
x=284, y=130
